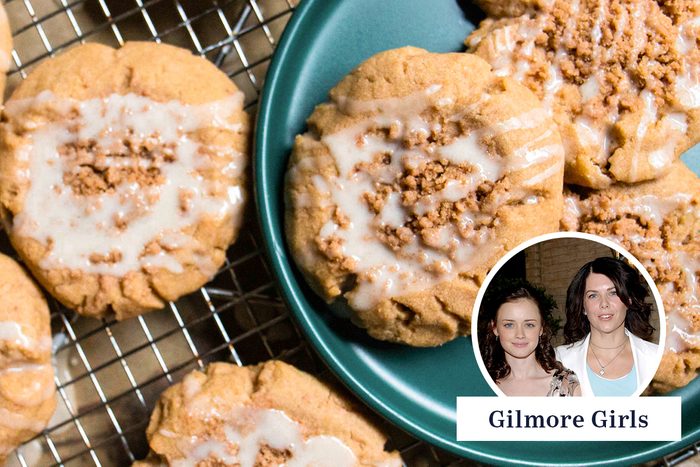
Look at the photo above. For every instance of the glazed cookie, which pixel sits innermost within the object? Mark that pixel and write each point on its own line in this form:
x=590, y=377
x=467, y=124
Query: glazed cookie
x=265, y=415
x=621, y=78
x=659, y=223
x=410, y=184
x=27, y=390
x=121, y=175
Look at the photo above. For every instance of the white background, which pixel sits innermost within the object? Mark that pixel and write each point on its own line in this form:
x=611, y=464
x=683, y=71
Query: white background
x=663, y=415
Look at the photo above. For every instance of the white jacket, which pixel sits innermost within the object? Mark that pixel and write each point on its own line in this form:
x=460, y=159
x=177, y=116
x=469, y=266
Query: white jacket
x=646, y=359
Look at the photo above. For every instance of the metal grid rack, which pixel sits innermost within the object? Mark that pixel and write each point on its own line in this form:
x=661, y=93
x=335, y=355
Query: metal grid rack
x=109, y=374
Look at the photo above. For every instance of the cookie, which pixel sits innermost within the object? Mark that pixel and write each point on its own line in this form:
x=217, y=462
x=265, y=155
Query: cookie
x=620, y=77
x=659, y=223
x=27, y=390
x=265, y=415
x=121, y=175
x=419, y=174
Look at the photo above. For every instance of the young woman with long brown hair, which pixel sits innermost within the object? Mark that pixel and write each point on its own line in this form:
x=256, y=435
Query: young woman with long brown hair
x=514, y=340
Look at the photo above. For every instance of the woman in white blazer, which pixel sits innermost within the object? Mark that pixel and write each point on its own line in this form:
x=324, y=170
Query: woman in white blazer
x=606, y=330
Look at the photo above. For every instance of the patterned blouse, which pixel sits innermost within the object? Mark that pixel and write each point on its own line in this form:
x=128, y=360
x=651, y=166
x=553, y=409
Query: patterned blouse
x=564, y=383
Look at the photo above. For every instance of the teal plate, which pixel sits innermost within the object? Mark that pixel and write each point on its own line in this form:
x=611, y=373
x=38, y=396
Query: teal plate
x=414, y=388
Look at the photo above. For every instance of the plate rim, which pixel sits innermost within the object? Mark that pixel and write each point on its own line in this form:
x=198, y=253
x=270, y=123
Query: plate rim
x=274, y=245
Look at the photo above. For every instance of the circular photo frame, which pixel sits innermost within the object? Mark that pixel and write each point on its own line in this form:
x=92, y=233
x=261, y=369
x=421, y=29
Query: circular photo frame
x=566, y=314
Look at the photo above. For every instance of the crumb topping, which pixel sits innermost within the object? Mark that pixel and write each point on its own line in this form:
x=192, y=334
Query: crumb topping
x=90, y=169
x=254, y=436
x=596, y=62
x=113, y=183
x=628, y=46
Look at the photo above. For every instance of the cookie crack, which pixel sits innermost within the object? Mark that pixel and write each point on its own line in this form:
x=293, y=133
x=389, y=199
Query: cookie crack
x=463, y=324
x=407, y=314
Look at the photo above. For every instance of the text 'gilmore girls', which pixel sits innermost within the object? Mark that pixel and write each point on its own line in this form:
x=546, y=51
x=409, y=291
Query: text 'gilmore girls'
x=599, y=419
x=484, y=418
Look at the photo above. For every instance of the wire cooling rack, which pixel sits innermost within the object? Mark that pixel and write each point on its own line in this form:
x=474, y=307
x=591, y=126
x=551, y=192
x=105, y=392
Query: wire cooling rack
x=109, y=374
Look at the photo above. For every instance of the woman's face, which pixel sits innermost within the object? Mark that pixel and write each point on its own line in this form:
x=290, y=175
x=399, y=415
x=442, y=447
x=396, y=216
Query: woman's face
x=604, y=309
x=518, y=327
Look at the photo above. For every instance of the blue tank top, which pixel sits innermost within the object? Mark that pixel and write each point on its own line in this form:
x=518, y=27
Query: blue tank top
x=622, y=386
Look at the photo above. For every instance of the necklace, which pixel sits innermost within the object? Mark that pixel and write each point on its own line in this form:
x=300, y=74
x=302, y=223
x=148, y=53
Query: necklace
x=609, y=348
x=602, y=367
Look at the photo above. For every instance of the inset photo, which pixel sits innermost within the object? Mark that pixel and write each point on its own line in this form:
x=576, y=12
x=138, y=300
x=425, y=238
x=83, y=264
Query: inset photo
x=568, y=314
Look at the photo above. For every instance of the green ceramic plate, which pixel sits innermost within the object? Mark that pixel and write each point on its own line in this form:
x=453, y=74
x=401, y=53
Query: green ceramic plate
x=414, y=388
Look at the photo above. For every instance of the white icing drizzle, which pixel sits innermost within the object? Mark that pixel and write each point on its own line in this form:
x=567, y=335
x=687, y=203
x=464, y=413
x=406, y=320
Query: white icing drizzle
x=571, y=213
x=676, y=126
x=639, y=35
x=525, y=157
x=468, y=150
x=501, y=45
x=688, y=90
x=248, y=429
x=202, y=450
x=200, y=407
x=596, y=32
x=554, y=83
x=526, y=121
x=394, y=215
x=590, y=88
x=593, y=136
x=441, y=253
x=651, y=208
x=691, y=266
x=687, y=33
x=688, y=81
x=678, y=339
x=11, y=331
x=79, y=226
x=29, y=384
x=509, y=49
x=553, y=170
x=390, y=105
x=191, y=386
x=648, y=115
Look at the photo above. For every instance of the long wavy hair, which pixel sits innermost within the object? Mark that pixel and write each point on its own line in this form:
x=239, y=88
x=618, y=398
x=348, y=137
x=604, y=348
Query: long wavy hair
x=629, y=287
x=491, y=350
